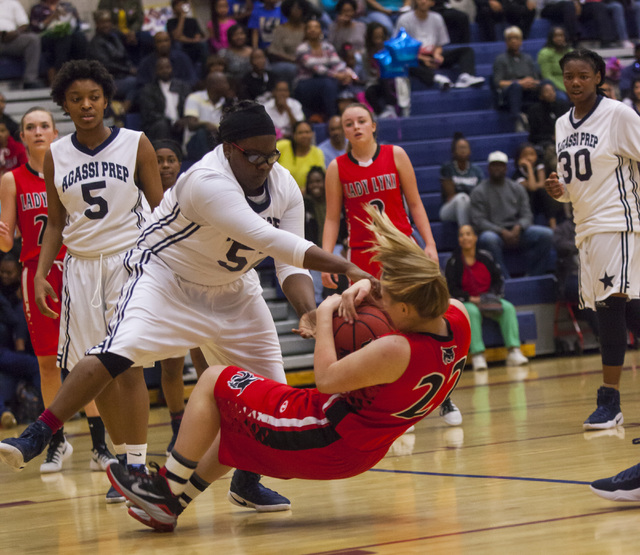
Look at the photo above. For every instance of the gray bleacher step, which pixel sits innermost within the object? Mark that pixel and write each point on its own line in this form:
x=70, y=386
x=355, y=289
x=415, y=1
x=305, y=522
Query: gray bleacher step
x=279, y=311
x=298, y=362
x=19, y=107
x=295, y=345
x=18, y=95
x=269, y=293
x=284, y=327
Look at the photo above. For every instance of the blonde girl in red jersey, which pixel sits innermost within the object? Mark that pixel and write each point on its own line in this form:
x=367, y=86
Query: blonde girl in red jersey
x=390, y=178
x=363, y=402
x=23, y=201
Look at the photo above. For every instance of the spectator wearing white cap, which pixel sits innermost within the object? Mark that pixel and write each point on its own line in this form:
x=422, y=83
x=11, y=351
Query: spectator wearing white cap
x=502, y=217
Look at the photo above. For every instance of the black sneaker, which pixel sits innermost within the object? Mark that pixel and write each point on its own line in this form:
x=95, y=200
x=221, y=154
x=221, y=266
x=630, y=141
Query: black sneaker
x=149, y=492
x=608, y=413
x=247, y=491
x=17, y=452
x=624, y=486
x=114, y=496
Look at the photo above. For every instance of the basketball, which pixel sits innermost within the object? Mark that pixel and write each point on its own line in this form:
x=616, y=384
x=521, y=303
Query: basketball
x=371, y=324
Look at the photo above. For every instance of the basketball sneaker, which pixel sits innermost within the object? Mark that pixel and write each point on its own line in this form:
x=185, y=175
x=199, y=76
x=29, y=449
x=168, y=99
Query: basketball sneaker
x=18, y=451
x=59, y=451
x=608, y=413
x=516, y=358
x=8, y=420
x=450, y=413
x=100, y=459
x=149, y=492
x=247, y=491
x=624, y=486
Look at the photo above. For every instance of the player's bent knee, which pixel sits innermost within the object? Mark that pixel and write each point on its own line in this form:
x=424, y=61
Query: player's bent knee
x=115, y=364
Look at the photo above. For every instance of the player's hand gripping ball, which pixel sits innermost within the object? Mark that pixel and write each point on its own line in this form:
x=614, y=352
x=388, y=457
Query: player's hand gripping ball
x=371, y=324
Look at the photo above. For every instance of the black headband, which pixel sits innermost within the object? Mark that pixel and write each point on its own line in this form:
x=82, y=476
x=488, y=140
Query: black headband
x=171, y=145
x=249, y=122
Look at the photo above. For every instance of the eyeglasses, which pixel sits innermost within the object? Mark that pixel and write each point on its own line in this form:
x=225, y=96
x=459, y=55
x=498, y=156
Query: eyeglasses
x=258, y=159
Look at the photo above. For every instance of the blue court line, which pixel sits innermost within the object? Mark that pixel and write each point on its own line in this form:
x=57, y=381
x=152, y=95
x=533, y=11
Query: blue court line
x=490, y=477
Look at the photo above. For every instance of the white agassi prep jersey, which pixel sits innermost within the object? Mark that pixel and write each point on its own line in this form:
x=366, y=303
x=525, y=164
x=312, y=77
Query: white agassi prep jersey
x=105, y=208
x=209, y=233
x=598, y=164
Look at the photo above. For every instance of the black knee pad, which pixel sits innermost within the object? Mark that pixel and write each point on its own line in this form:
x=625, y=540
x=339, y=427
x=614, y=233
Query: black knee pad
x=115, y=364
x=613, y=330
x=633, y=316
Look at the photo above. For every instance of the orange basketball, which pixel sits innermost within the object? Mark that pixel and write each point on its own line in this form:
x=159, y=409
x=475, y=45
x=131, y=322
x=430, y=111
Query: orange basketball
x=371, y=324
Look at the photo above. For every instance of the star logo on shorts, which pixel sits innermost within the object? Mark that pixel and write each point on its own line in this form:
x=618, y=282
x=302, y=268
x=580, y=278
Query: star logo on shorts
x=607, y=281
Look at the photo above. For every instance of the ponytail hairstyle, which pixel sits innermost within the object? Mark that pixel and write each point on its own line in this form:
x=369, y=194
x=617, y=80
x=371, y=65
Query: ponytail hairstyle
x=408, y=274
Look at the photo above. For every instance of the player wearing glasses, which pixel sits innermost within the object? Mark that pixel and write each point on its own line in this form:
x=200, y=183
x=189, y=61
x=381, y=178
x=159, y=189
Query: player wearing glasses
x=191, y=284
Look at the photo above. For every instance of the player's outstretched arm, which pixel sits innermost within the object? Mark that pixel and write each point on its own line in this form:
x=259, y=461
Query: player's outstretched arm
x=8, y=211
x=51, y=241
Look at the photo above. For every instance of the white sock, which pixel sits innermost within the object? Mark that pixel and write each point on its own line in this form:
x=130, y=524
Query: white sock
x=136, y=453
x=178, y=472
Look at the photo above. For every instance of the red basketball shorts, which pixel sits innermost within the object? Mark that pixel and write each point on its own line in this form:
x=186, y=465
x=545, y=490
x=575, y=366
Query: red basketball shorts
x=274, y=429
x=43, y=330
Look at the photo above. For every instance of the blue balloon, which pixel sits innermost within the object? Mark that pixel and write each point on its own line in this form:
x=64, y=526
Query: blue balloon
x=404, y=48
x=389, y=68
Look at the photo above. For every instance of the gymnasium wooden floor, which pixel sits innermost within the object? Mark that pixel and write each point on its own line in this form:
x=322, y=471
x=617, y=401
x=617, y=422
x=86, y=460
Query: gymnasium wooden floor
x=513, y=478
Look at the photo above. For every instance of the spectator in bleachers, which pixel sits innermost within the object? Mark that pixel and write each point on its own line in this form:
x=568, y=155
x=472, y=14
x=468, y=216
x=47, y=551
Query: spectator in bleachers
x=127, y=17
x=17, y=40
x=215, y=64
x=162, y=109
x=237, y=56
x=501, y=214
x=610, y=89
x=429, y=28
x=219, y=24
x=241, y=10
x=287, y=37
x=549, y=59
x=185, y=32
x=298, y=154
x=315, y=208
x=107, y=48
x=568, y=12
x=629, y=73
x=202, y=111
x=321, y=73
x=265, y=18
x=386, y=12
x=283, y=110
x=457, y=21
x=458, y=178
x=543, y=115
x=380, y=93
x=12, y=152
x=474, y=279
x=335, y=144
x=633, y=98
x=12, y=125
x=520, y=13
x=345, y=29
x=182, y=65
x=257, y=83
x=531, y=173
x=62, y=39
x=618, y=12
x=516, y=78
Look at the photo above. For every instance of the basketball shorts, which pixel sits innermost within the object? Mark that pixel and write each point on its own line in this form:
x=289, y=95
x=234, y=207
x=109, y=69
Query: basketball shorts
x=274, y=429
x=609, y=264
x=89, y=296
x=161, y=316
x=43, y=330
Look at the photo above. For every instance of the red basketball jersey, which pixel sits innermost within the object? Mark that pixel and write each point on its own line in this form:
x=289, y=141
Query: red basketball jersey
x=373, y=417
x=31, y=200
x=377, y=184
